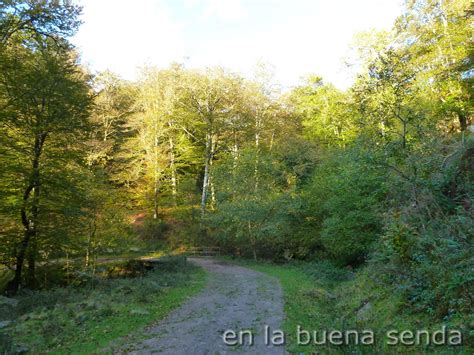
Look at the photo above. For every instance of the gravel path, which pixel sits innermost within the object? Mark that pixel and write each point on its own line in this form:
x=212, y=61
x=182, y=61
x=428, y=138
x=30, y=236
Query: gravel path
x=235, y=298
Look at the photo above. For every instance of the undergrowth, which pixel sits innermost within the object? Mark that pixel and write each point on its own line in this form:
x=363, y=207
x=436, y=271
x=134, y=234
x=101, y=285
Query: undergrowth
x=87, y=317
x=322, y=297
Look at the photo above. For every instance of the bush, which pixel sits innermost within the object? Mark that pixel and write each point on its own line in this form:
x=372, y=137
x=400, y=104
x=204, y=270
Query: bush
x=6, y=344
x=427, y=245
x=432, y=267
x=346, y=204
x=153, y=229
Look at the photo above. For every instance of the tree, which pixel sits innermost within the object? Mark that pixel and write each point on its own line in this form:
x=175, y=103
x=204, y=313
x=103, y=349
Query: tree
x=46, y=18
x=437, y=33
x=160, y=146
x=45, y=100
x=388, y=99
x=327, y=113
x=113, y=104
x=345, y=199
x=212, y=98
x=244, y=216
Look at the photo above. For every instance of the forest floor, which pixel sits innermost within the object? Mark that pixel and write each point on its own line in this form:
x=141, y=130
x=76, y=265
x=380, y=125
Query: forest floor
x=235, y=299
x=86, y=317
x=185, y=307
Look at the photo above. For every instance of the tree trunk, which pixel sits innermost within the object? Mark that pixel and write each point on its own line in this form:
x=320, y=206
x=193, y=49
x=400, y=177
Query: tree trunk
x=31, y=259
x=156, y=173
x=29, y=222
x=213, y=193
x=462, y=121
x=91, y=235
x=235, y=154
x=174, y=187
x=258, y=124
x=14, y=285
x=207, y=168
x=211, y=180
x=88, y=253
x=156, y=191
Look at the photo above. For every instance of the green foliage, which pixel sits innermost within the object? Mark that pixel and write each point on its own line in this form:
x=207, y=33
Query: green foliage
x=345, y=204
x=47, y=18
x=381, y=173
x=390, y=182
x=54, y=204
x=326, y=112
x=112, y=106
x=257, y=207
x=153, y=230
x=441, y=56
x=321, y=296
x=299, y=166
x=45, y=100
x=6, y=344
x=427, y=244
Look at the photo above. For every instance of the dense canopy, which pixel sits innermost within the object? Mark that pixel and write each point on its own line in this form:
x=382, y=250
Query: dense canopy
x=376, y=178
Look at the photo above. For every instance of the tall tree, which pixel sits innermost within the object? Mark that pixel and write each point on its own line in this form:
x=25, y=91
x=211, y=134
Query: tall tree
x=212, y=98
x=438, y=34
x=45, y=99
x=160, y=148
x=40, y=19
x=327, y=113
x=113, y=105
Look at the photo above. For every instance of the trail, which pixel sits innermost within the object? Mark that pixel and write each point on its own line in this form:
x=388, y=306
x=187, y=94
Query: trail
x=235, y=298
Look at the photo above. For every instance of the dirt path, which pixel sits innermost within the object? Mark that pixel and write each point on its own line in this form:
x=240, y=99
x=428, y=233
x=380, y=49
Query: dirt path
x=235, y=298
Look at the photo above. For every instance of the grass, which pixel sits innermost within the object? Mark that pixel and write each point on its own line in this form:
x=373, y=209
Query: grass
x=301, y=306
x=319, y=296
x=87, y=318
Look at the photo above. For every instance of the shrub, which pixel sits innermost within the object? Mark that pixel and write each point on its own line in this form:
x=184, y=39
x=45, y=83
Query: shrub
x=427, y=245
x=153, y=229
x=346, y=204
x=6, y=344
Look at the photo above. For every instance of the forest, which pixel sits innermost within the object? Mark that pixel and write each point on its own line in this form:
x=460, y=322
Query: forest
x=372, y=186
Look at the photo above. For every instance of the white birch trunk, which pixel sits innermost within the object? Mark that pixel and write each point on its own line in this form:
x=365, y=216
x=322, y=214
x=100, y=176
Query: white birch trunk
x=205, y=182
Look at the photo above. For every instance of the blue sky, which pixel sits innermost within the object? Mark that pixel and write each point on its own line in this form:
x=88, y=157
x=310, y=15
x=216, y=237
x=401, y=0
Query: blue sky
x=296, y=37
